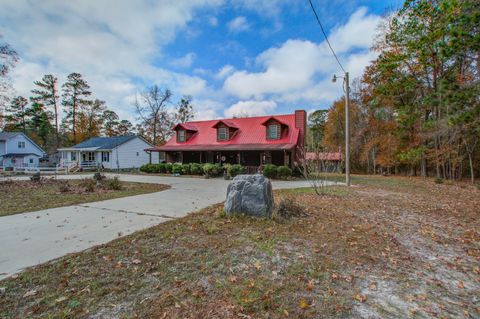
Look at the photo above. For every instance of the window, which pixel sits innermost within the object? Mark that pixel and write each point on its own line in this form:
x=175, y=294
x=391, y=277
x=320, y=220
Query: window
x=161, y=157
x=105, y=156
x=273, y=132
x=31, y=161
x=21, y=144
x=73, y=156
x=222, y=134
x=181, y=136
x=138, y=154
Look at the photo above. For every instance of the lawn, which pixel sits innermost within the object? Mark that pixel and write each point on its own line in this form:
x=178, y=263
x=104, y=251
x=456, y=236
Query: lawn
x=24, y=196
x=399, y=248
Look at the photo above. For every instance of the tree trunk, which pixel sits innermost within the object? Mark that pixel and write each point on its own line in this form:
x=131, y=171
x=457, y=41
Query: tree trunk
x=470, y=162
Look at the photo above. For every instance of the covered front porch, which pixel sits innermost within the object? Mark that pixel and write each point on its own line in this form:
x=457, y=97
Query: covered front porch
x=85, y=157
x=250, y=159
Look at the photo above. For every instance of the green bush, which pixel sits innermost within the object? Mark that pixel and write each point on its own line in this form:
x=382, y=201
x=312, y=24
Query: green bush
x=284, y=172
x=438, y=180
x=113, y=184
x=196, y=169
x=212, y=170
x=147, y=168
x=185, y=169
x=168, y=168
x=270, y=170
x=177, y=168
x=234, y=170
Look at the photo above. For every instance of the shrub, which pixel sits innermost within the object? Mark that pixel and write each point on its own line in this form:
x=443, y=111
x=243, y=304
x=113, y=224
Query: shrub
x=147, y=168
x=438, y=180
x=196, y=169
x=168, y=168
x=161, y=168
x=284, y=172
x=88, y=184
x=99, y=177
x=212, y=170
x=185, y=169
x=64, y=187
x=234, y=170
x=270, y=170
x=288, y=208
x=35, y=177
x=113, y=184
x=177, y=168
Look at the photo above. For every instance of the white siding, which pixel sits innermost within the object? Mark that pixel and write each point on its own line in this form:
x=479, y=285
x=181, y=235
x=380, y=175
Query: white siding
x=109, y=164
x=12, y=146
x=127, y=154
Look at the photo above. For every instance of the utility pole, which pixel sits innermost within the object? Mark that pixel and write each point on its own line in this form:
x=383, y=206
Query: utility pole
x=347, y=129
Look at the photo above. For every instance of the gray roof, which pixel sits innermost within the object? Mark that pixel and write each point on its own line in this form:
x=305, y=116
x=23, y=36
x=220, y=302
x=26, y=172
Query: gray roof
x=18, y=154
x=105, y=143
x=7, y=135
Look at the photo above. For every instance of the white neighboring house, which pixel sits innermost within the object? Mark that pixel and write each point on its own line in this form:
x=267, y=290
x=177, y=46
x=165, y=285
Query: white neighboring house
x=18, y=150
x=116, y=152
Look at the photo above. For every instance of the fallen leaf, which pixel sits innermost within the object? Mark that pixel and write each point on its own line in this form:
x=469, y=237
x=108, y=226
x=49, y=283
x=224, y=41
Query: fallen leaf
x=460, y=285
x=360, y=297
x=232, y=279
x=310, y=285
x=30, y=293
x=61, y=299
x=303, y=304
x=136, y=261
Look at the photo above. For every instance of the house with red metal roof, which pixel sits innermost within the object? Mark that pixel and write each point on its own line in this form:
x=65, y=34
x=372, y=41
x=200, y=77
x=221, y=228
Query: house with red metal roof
x=249, y=141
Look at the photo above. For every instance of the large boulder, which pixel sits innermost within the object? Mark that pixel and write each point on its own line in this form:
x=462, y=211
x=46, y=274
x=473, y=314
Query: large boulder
x=250, y=195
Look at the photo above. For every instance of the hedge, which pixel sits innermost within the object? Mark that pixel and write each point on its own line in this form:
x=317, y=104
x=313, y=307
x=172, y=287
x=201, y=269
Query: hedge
x=270, y=170
x=284, y=172
x=235, y=169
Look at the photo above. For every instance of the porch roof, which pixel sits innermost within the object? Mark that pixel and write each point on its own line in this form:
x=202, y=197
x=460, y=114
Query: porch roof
x=82, y=149
x=18, y=155
x=226, y=147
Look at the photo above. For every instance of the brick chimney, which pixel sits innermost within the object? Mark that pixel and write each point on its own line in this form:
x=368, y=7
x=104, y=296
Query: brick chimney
x=301, y=123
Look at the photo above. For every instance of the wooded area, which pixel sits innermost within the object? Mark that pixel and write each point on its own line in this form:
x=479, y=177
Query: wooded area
x=416, y=109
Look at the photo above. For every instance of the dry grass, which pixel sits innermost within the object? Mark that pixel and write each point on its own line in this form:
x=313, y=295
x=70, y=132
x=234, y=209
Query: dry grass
x=407, y=248
x=24, y=196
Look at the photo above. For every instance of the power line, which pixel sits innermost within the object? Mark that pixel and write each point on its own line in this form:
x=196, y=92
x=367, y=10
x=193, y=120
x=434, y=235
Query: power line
x=325, y=35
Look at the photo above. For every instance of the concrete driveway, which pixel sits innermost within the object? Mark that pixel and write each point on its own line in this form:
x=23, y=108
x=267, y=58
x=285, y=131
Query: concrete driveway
x=32, y=238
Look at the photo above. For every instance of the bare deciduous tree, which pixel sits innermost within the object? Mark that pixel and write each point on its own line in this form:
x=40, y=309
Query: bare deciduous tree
x=152, y=110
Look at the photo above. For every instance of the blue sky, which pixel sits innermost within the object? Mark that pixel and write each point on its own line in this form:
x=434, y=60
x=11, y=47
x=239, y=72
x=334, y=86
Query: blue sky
x=234, y=57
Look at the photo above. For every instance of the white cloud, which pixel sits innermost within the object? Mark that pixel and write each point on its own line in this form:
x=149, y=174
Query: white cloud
x=238, y=24
x=185, y=61
x=300, y=70
x=213, y=21
x=250, y=108
x=225, y=71
x=112, y=43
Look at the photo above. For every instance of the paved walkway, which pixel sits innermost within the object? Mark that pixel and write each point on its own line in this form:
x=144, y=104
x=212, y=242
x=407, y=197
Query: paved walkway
x=31, y=238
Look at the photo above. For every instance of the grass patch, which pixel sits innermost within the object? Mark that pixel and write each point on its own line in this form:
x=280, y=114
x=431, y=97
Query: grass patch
x=25, y=196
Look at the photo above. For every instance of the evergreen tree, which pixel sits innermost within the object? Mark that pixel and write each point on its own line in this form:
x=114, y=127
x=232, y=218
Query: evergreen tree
x=110, y=123
x=39, y=127
x=125, y=127
x=75, y=92
x=47, y=94
x=16, y=117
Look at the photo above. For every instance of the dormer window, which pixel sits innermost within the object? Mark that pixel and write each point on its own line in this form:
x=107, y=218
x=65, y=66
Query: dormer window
x=273, y=131
x=222, y=133
x=181, y=136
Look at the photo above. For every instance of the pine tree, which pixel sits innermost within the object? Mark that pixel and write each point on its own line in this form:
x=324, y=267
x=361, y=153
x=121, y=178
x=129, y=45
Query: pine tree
x=110, y=123
x=47, y=94
x=39, y=127
x=75, y=91
x=16, y=117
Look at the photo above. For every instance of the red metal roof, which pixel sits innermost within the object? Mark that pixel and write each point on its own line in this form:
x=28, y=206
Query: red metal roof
x=186, y=126
x=324, y=156
x=250, y=135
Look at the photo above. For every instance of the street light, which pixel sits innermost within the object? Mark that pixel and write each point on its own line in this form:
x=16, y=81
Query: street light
x=347, y=125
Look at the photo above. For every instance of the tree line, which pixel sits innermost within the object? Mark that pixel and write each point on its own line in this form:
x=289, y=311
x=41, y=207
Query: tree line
x=39, y=115
x=416, y=109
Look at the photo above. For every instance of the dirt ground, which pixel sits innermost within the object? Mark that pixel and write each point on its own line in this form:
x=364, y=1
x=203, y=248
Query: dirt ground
x=385, y=248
